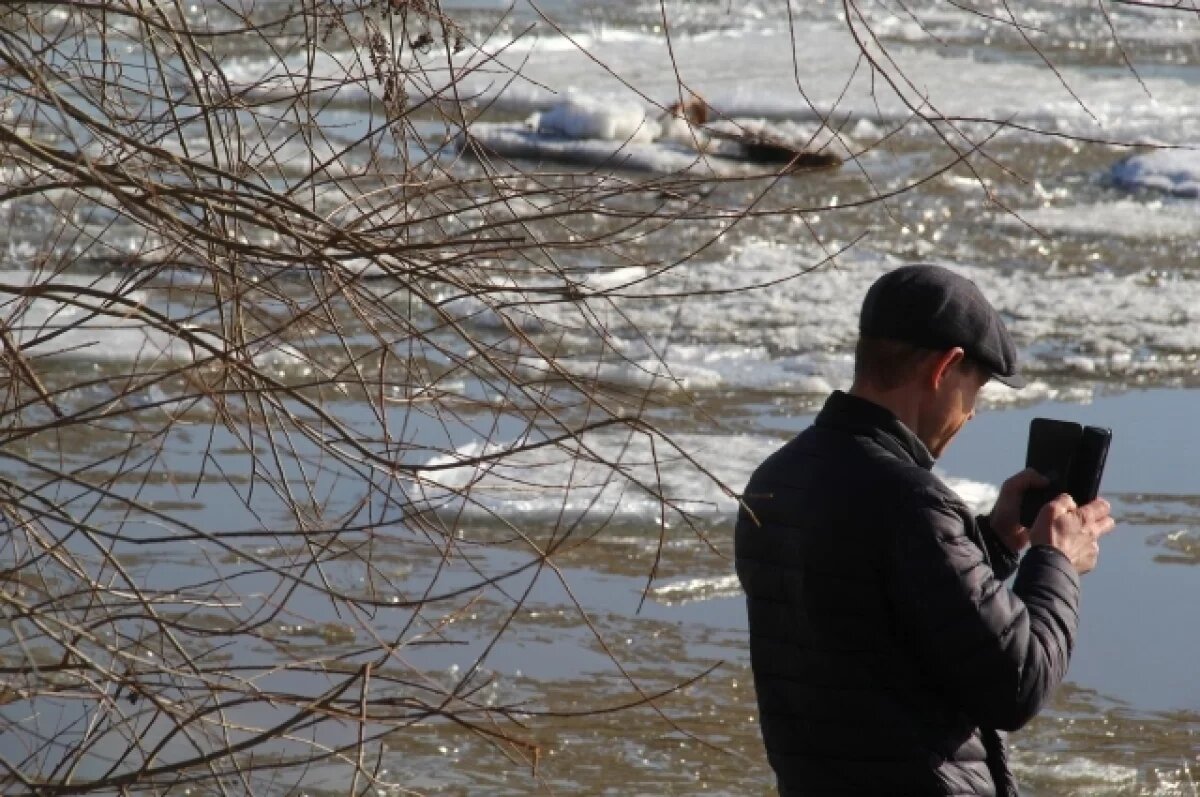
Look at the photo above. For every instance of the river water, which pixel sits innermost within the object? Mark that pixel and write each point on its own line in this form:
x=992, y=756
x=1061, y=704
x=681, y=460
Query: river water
x=1031, y=185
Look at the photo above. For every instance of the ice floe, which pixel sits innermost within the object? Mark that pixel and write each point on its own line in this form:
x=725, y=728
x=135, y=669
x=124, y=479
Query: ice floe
x=613, y=473
x=97, y=319
x=1172, y=171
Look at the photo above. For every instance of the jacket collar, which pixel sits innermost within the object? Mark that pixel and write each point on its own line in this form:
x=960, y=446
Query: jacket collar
x=862, y=417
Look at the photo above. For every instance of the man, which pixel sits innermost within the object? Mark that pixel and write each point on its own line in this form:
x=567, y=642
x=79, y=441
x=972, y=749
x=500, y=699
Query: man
x=888, y=655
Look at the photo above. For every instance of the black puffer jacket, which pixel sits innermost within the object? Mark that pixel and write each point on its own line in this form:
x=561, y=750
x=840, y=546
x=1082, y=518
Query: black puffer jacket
x=887, y=653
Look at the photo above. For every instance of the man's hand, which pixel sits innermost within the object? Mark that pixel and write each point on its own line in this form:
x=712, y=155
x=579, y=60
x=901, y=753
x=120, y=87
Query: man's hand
x=1074, y=530
x=1005, y=519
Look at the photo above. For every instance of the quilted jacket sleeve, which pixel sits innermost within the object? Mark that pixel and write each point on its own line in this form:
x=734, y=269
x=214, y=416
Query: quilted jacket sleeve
x=1003, y=561
x=998, y=653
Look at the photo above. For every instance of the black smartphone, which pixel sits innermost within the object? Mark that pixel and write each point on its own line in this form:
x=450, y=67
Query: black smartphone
x=1071, y=456
x=1050, y=451
x=1088, y=467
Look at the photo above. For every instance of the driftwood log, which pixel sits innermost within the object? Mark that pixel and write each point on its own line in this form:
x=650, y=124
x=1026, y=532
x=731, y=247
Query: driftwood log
x=757, y=147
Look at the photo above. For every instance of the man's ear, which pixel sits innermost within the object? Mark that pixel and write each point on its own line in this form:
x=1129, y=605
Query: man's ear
x=943, y=364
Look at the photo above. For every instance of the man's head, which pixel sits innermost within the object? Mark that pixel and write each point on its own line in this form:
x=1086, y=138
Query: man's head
x=928, y=342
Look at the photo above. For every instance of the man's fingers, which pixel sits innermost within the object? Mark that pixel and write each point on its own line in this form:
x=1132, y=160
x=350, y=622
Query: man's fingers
x=1026, y=479
x=1095, y=510
x=1063, y=504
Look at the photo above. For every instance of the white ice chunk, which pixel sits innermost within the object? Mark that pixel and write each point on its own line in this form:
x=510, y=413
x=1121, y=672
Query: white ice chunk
x=582, y=116
x=1173, y=171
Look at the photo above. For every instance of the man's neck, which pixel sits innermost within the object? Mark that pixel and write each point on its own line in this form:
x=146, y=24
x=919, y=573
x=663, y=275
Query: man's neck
x=902, y=403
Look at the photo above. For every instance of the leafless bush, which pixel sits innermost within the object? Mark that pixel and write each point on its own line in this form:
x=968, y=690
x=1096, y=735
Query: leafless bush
x=205, y=530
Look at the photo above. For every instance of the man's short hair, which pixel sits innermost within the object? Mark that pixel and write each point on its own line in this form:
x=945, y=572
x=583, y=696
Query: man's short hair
x=887, y=364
